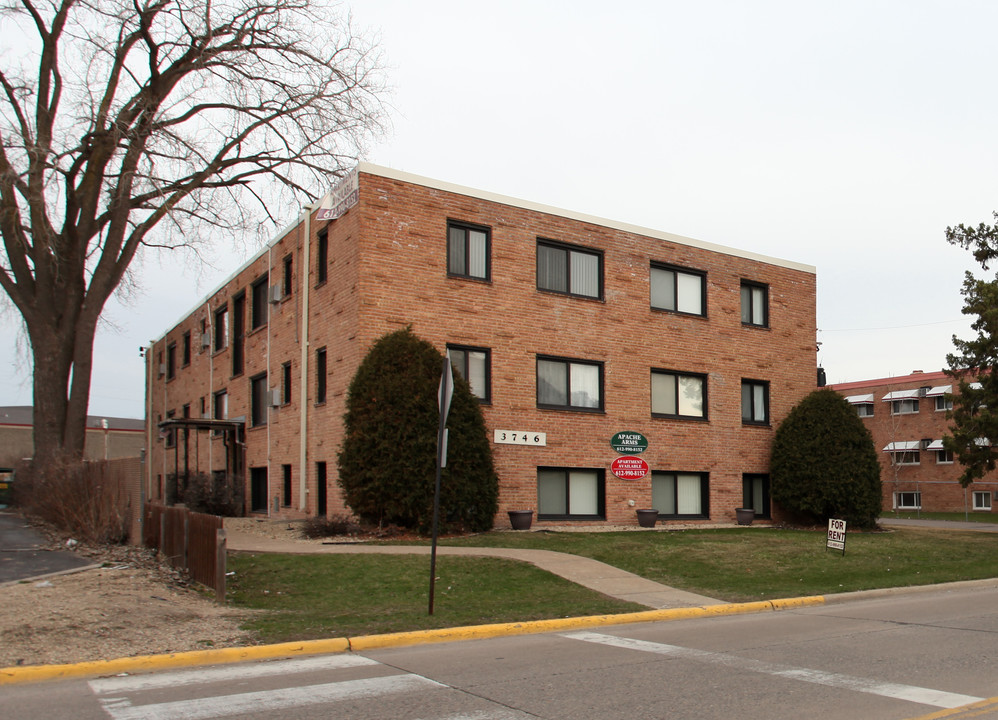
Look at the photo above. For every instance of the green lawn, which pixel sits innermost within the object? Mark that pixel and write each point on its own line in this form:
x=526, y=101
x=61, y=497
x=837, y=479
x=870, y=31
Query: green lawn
x=335, y=595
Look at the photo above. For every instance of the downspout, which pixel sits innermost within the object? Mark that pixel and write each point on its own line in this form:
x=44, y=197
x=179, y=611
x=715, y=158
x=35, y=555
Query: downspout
x=305, y=284
x=267, y=405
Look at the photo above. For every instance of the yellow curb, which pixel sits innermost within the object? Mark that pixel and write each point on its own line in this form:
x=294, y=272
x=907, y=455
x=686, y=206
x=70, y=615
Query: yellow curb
x=139, y=663
x=36, y=673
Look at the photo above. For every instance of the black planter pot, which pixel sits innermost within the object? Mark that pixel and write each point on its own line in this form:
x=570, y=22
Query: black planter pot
x=521, y=519
x=745, y=516
x=647, y=517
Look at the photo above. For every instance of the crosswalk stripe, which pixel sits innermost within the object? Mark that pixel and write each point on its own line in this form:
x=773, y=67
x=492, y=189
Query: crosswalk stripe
x=268, y=700
x=924, y=696
x=134, y=683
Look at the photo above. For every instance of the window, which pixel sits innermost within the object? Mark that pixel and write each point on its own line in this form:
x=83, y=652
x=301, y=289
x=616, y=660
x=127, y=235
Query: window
x=171, y=361
x=755, y=304
x=982, y=500
x=238, y=333
x=905, y=457
x=286, y=383
x=322, y=257
x=755, y=402
x=258, y=489
x=676, y=494
x=258, y=400
x=185, y=349
x=944, y=457
x=864, y=409
x=186, y=411
x=569, y=270
x=569, y=384
x=944, y=403
x=468, y=251
x=565, y=493
x=678, y=290
x=678, y=394
x=260, y=307
x=221, y=328
x=755, y=494
x=474, y=366
x=320, y=376
x=220, y=411
x=907, y=500
x=320, y=488
x=286, y=485
x=289, y=282
x=204, y=407
x=907, y=406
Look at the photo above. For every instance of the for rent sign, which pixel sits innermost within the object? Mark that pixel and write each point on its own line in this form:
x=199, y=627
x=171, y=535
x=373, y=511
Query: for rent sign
x=629, y=467
x=836, y=535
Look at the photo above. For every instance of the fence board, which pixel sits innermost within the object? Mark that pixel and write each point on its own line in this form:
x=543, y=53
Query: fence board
x=190, y=541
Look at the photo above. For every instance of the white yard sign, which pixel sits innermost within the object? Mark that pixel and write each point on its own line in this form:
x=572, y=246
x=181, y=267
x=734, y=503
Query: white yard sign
x=836, y=535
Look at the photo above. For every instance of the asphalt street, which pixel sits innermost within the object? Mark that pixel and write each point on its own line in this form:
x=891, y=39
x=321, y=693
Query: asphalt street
x=23, y=555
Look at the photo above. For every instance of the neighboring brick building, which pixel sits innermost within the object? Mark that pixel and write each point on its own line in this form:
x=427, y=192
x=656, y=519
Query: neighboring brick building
x=570, y=328
x=907, y=418
x=107, y=437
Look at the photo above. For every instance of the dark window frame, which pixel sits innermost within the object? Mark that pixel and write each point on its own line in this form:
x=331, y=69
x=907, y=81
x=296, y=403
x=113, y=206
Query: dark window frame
x=704, y=417
x=751, y=285
x=569, y=248
x=260, y=302
x=467, y=228
x=487, y=398
x=286, y=387
x=677, y=270
x=600, y=493
x=766, y=401
x=185, y=349
x=568, y=375
x=322, y=257
x=321, y=370
x=171, y=361
x=287, y=281
x=259, y=406
x=221, y=327
x=704, y=513
x=286, y=485
x=238, y=323
x=748, y=480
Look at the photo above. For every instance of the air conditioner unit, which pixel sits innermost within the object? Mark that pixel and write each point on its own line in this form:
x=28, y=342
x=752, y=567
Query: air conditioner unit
x=923, y=391
x=205, y=340
x=275, y=397
x=275, y=294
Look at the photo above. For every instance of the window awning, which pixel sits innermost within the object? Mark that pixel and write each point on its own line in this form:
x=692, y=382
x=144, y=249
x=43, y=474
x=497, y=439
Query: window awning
x=859, y=399
x=939, y=390
x=901, y=395
x=903, y=445
x=935, y=445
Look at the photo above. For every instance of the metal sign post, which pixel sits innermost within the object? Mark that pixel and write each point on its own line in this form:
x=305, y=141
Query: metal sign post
x=443, y=400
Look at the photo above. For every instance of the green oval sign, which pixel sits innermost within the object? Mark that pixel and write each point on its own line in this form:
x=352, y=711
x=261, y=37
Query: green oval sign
x=629, y=442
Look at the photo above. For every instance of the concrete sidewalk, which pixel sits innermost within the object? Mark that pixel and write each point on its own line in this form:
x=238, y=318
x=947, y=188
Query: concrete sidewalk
x=589, y=573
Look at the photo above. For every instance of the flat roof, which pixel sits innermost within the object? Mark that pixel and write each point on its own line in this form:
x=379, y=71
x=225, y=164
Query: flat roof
x=924, y=378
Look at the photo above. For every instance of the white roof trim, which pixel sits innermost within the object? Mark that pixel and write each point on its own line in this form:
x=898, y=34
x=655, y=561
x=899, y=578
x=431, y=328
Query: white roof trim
x=903, y=445
x=939, y=390
x=901, y=395
x=859, y=399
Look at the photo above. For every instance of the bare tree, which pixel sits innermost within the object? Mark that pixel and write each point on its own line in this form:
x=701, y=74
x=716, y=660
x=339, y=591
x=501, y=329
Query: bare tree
x=137, y=123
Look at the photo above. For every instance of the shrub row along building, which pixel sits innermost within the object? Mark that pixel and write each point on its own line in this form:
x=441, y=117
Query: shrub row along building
x=570, y=329
x=907, y=418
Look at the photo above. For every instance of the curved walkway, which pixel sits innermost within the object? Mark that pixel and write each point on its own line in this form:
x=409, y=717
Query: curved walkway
x=583, y=571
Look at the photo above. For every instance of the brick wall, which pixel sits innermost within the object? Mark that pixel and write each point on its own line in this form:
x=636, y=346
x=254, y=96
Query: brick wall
x=388, y=268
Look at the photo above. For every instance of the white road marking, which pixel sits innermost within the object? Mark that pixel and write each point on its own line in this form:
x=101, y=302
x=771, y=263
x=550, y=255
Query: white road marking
x=222, y=673
x=924, y=696
x=268, y=700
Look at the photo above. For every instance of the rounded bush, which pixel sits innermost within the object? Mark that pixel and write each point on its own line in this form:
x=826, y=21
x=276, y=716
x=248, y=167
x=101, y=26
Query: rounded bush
x=824, y=464
x=387, y=464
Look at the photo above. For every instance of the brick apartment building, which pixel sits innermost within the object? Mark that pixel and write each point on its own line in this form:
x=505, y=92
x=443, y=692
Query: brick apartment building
x=570, y=328
x=907, y=418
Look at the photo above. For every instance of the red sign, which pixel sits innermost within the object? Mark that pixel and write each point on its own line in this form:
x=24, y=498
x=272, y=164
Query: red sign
x=629, y=467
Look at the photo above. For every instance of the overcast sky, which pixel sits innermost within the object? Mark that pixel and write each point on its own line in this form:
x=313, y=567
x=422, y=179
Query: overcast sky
x=844, y=135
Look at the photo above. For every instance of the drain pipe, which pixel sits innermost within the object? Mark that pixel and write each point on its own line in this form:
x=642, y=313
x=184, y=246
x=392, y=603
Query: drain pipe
x=305, y=285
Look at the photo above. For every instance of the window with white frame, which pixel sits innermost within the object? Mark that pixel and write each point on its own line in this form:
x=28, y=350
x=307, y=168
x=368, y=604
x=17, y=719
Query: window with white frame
x=982, y=500
x=680, y=395
x=679, y=494
x=679, y=290
x=944, y=403
x=569, y=384
x=907, y=406
x=569, y=269
x=864, y=409
x=468, y=250
x=907, y=500
x=755, y=304
x=944, y=457
x=755, y=402
x=905, y=457
x=570, y=493
x=474, y=366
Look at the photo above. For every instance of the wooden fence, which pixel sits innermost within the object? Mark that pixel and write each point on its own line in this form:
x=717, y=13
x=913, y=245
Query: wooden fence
x=192, y=541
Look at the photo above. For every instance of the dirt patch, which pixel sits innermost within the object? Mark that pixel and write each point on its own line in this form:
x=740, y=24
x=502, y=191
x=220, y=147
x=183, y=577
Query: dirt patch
x=133, y=604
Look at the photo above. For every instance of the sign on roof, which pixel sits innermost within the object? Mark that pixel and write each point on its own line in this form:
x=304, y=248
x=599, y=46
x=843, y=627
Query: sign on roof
x=341, y=198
